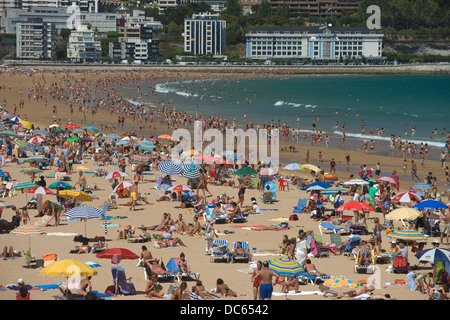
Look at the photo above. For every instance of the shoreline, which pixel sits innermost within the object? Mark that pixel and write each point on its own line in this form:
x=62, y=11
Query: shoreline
x=419, y=69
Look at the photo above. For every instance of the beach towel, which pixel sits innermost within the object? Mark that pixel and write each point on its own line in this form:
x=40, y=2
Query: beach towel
x=297, y=293
x=44, y=221
x=269, y=209
x=46, y=286
x=92, y=264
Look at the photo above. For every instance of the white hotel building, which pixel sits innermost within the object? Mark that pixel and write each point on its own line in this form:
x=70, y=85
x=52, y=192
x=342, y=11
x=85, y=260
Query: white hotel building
x=327, y=43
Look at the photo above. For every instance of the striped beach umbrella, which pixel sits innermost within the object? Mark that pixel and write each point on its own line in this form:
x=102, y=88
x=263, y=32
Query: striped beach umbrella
x=403, y=214
x=434, y=255
x=139, y=158
x=146, y=146
x=24, y=185
x=165, y=137
x=122, y=185
x=33, y=147
x=332, y=190
x=40, y=190
x=330, y=177
x=8, y=133
x=116, y=174
x=407, y=234
x=181, y=188
x=405, y=197
x=170, y=168
x=28, y=231
x=319, y=185
x=20, y=143
x=15, y=118
x=113, y=136
x=340, y=282
x=356, y=181
x=285, y=267
x=38, y=159
x=191, y=171
x=84, y=212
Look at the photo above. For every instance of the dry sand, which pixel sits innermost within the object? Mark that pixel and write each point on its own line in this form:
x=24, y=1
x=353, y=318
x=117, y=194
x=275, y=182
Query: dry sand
x=11, y=270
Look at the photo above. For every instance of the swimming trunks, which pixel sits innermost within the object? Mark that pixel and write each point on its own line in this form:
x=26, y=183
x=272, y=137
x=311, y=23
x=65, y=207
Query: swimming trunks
x=133, y=196
x=265, y=290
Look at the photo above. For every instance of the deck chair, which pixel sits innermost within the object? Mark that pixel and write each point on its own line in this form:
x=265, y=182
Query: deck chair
x=366, y=255
x=219, y=251
x=241, y=258
x=119, y=277
x=158, y=184
x=172, y=267
x=207, y=216
x=44, y=221
x=273, y=189
x=304, y=277
x=336, y=239
x=351, y=246
x=301, y=205
x=331, y=227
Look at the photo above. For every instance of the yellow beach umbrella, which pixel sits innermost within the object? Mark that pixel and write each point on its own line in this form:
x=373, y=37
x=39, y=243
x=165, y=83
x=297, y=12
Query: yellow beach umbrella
x=81, y=168
x=311, y=167
x=79, y=196
x=68, y=268
x=26, y=124
x=403, y=214
x=53, y=125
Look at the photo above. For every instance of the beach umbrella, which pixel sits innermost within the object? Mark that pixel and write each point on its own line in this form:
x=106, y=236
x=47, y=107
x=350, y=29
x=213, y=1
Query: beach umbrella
x=73, y=138
x=332, y=190
x=60, y=184
x=244, y=171
x=81, y=168
x=181, y=188
x=54, y=125
x=356, y=181
x=405, y=197
x=354, y=206
x=294, y=166
x=122, y=253
x=67, y=268
x=84, y=212
x=146, y=146
x=58, y=131
x=422, y=186
x=38, y=159
x=407, y=235
x=330, y=177
x=116, y=174
x=8, y=133
x=15, y=119
x=122, y=143
x=113, y=136
x=311, y=167
x=340, y=282
x=24, y=185
x=20, y=143
x=78, y=195
x=91, y=128
x=140, y=158
x=403, y=214
x=319, y=185
x=4, y=114
x=368, y=171
x=388, y=179
x=40, y=190
x=100, y=135
x=191, y=171
x=41, y=132
x=33, y=147
x=165, y=137
x=86, y=139
x=285, y=267
x=122, y=185
x=31, y=170
x=28, y=231
x=25, y=124
x=430, y=204
x=169, y=167
x=434, y=255
x=71, y=126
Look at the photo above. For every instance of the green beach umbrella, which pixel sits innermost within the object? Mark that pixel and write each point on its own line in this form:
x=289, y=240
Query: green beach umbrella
x=244, y=171
x=38, y=159
x=7, y=133
x=60, y=184
x=72, y=139
x=24, y=185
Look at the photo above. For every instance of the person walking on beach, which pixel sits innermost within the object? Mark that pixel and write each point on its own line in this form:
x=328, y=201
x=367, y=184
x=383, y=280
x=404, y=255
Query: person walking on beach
x=266, y=286
x=414, y=170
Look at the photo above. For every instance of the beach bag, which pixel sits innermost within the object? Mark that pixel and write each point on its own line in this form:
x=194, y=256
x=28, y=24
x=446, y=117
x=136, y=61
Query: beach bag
x=293, y=217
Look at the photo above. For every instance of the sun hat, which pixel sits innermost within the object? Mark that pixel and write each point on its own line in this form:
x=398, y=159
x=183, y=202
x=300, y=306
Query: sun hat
x=435, y=241
x=20, y=281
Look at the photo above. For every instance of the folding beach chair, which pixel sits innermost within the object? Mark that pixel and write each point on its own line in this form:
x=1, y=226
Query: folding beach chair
x=172, y=267
x=302, y=203
x=245, y=246
x=207, y=216
x=331, y=227
x=336, y=239
x=220, y=251
x=366, y=255
x=124, y=284
x=273, y=189
x=351, y=246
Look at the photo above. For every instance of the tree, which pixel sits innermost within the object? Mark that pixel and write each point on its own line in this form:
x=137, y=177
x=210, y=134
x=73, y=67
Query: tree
x=283, y=11
x=233, y=7
x=265, y=9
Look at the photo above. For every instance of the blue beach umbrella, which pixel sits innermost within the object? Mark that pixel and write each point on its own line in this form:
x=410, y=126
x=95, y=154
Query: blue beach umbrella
x=91, y=128
x=84, y=212
x=333, y=190
x=113, y=136
x=422, y=186
x=294, y=166
x=122, y=142
x=319, y=185
x=430, y=204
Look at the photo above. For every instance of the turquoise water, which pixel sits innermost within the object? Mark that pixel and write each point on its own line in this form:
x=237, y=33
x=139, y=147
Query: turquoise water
x=381, y=101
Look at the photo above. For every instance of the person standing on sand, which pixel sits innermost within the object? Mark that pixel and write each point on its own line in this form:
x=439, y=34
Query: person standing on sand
x=266, y=286
x=82, y=182
x=414, y=170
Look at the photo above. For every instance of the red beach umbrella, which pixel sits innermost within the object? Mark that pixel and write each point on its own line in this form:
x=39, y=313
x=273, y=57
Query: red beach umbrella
x=354, y=205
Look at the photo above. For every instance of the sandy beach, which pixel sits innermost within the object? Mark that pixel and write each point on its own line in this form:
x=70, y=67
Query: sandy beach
x=59, y=239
